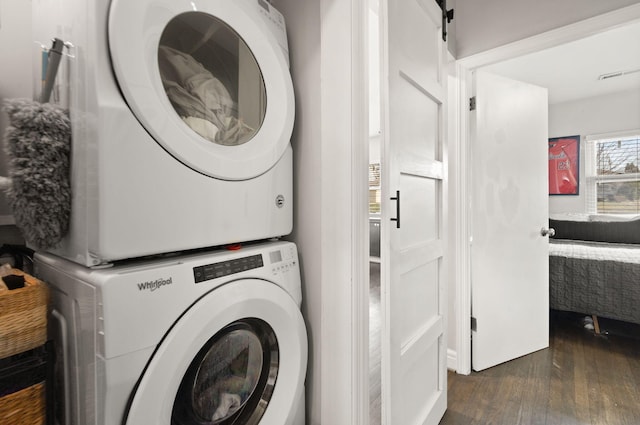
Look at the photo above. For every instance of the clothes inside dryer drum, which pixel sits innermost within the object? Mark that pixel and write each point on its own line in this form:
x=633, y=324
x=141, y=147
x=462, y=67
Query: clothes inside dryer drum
x=200, y=98
x=221, y=99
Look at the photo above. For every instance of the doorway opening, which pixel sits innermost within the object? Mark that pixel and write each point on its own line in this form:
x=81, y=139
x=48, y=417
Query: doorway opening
x=375, y=319
x=520, y=60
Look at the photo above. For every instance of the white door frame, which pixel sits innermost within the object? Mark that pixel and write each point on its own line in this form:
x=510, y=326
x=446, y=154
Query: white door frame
x=360, y=208
x=359, y=361
x=460, y=250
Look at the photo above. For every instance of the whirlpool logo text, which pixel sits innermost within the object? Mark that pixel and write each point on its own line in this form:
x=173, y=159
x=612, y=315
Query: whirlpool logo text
x=152, y=285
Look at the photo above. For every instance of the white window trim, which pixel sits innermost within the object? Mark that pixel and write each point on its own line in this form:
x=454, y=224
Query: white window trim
x=591, y=179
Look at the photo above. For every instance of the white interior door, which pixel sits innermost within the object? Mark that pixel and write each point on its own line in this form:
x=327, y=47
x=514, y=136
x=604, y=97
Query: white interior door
x=509, y=207
x=413, y=169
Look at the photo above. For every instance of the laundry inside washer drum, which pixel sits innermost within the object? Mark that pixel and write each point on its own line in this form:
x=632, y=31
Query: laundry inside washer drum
x=231, y=377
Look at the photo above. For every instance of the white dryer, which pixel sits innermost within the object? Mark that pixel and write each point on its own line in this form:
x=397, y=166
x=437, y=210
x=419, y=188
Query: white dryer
x=206, y=338
x=182, y=113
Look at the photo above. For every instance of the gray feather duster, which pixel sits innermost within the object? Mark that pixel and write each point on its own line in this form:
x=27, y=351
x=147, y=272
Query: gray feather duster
x=38, y=142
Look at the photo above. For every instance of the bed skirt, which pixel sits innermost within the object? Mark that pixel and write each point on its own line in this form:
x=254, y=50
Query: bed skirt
x=595, y=278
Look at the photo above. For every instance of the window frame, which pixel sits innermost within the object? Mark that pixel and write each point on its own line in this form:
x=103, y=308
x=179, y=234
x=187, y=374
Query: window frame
x=592, y=179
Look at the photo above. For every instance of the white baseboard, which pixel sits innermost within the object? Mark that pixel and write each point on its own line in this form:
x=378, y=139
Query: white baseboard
x=452, y=359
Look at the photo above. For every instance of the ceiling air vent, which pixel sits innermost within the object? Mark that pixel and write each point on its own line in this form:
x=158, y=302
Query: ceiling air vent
x=617, y=74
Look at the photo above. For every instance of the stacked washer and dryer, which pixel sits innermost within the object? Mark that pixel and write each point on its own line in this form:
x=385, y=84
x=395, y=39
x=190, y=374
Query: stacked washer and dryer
x=181, y=113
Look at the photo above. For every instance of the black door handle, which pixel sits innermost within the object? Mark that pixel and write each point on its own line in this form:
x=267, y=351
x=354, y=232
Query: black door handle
x=397, y=199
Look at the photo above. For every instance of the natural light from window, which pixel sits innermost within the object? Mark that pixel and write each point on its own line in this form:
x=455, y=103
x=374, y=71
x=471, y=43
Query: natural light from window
x=613, y=176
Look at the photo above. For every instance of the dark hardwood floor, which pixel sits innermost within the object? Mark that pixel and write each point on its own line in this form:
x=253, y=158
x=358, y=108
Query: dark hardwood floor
x=374, y=344
x=582, y=379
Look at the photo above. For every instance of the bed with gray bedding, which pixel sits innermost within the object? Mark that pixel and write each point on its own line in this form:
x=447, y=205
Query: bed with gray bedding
x=594, y=268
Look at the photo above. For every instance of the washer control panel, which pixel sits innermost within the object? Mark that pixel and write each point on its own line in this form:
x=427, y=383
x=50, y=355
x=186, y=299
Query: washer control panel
x=282, y=260
x=275, y=20
x=226, y=268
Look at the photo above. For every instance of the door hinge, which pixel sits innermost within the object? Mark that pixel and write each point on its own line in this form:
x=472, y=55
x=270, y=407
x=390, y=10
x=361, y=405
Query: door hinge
x=472, y=103
x=474, y=324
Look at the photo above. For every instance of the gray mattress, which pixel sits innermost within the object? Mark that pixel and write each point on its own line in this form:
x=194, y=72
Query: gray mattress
x=595, y=278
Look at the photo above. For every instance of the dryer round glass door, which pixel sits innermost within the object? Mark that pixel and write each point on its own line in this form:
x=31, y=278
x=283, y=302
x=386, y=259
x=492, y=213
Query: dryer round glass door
x=237, y=356
x=211, y=79
x=208, y=79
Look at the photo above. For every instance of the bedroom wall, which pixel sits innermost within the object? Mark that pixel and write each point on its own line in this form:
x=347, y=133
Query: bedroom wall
x=603, y=114
x=16, y=72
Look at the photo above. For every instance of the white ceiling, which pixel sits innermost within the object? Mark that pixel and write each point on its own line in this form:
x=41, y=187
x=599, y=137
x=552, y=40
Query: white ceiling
x=570, y=71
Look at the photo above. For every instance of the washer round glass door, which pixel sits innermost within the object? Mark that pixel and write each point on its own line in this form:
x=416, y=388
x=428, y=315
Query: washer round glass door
x=208, y=81
x=237, y=356
x=231, y=379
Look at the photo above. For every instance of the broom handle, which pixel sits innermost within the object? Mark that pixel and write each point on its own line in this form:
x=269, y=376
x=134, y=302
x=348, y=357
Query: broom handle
x=53, y=61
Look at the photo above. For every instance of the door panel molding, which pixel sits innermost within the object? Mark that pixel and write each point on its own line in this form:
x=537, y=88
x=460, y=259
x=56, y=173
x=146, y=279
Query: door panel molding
x=413, y=265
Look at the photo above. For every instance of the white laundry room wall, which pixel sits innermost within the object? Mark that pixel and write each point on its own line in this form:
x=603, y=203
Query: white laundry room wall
x=326, y=149
x=592, y=116
x=304, y=50
x=320, y=44
x=15, y=81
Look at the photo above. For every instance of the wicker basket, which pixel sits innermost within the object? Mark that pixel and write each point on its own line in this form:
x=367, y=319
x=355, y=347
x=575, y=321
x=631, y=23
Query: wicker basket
x=23, y=316
x=24, y=407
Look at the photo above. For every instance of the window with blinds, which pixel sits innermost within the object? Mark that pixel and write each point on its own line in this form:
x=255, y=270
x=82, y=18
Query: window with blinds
x=374, y=188
x=613, y=176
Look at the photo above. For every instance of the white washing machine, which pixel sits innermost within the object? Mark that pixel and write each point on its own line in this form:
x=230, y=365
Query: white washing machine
x=206, y=338
x=182, y=113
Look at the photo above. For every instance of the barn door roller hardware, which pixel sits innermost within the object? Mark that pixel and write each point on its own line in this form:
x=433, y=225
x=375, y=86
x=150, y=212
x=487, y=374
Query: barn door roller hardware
x=447, y=16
